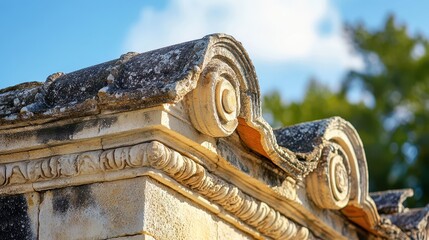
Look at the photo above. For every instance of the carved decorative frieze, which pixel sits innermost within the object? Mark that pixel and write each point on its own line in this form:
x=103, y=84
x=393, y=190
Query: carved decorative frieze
x=71, y=165
x=156, y=155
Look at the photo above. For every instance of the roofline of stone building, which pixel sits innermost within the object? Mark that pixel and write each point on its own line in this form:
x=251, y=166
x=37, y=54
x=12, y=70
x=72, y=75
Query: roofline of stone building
x=214, y=83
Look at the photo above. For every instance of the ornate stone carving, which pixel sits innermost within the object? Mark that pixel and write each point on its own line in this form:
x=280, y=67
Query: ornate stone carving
x=329, y=185
x=120, y=158
x=71, y=165
x=42, y=169
x=226, y=61
x=360, y=207
x=156, y=155
x=255, y=213
x=215, y=103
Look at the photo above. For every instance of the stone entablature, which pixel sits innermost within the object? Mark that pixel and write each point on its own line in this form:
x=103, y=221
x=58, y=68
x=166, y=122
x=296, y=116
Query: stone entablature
x=189, y=117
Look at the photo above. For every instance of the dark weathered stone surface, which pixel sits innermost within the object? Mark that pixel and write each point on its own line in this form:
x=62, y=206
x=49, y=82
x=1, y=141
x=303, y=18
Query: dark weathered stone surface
x=264, y=172
x=131, y=82
x=389, y=202
x=306, y=140
x=13, y=99
x=72, y=198
x=15, y=219
x=304, y=137
x=413, y=222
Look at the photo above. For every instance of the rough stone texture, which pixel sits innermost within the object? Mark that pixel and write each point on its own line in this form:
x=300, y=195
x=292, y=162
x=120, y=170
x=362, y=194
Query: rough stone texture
x=126, y=209
x=303, y=137
x=19, y=216
x=413, y=222
x=95, y=211
x=263, y=171
x=12, y=99
x=391, y=201
x=171, y=216
x=226, y=231
x=130, y=82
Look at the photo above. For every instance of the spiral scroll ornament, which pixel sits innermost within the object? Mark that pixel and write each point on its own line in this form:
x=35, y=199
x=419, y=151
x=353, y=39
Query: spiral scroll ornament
x=329, y=185
x=215, y=103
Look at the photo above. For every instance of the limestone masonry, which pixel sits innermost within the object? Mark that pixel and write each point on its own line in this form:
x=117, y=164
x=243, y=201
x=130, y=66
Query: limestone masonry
x=171, y=144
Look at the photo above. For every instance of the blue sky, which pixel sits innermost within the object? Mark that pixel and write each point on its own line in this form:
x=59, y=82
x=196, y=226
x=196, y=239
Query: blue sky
x=288, y=40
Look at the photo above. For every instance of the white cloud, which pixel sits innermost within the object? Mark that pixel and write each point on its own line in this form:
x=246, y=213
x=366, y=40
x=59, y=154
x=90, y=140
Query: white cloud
x=278, y=31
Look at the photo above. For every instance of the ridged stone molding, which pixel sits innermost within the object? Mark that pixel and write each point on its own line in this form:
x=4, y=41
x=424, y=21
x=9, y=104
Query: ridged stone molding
x=253, y=212
x=86, y=167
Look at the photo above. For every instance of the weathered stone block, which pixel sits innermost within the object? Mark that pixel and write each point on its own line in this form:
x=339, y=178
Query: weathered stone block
x=169, y=215
x=126, y=208
x=19, y=216
x=95, y=211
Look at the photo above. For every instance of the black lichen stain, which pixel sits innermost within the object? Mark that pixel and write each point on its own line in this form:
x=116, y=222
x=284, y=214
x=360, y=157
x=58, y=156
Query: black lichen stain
x=14, y=220
x=78, y=86
x=236, y=162
x=271, y=178
x=362, y=235
x=59, y=133
x=72, y=198
x=107, y=122
x=67, y=131
x=232, y=158
x=152, y=71
x=303, y=137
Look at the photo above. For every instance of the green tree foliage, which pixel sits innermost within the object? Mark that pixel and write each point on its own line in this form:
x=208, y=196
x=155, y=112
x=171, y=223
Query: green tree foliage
x=394, y=126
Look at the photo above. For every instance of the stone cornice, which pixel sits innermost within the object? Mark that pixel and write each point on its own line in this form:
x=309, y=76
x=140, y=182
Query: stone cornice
x=96, y=166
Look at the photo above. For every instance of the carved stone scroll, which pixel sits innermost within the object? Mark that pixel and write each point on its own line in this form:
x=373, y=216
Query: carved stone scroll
x=329, y=185
x=360, y=207
x=215, y=103
x=227, y=98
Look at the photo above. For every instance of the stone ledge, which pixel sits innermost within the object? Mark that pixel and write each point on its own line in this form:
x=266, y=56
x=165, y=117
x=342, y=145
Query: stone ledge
x=98, y=166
